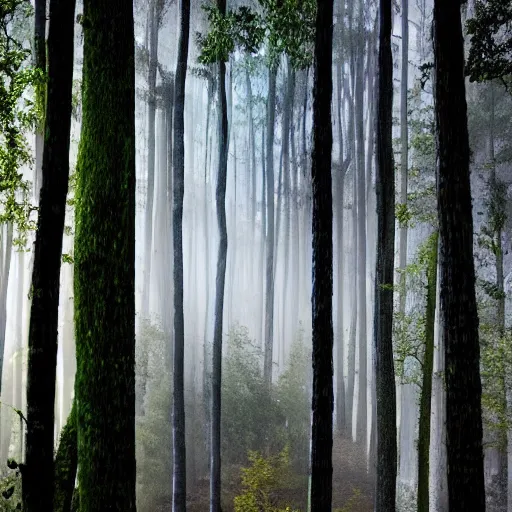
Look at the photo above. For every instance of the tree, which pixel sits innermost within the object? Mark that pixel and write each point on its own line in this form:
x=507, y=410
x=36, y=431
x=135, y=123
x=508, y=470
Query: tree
x=38, y=474
x=490, y=29
x=383, y=330
x=457, y=273
x=39, y=63
x=178, y=405
x=105, y=261
x=323, y=396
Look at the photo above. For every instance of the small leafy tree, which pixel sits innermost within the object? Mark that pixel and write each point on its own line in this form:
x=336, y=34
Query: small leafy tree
x=18, y=114
x=260, y=481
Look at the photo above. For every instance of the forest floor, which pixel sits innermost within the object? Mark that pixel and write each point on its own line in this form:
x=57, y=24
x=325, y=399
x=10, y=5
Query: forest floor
x=352, y=485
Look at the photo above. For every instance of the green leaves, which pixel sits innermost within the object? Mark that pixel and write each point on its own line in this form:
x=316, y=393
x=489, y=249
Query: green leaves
x=285, y=27
x=490, y=54
x=18, y=113
x=239, y=29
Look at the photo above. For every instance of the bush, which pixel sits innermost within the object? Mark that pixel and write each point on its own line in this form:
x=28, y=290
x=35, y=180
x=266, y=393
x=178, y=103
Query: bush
x=260, y=481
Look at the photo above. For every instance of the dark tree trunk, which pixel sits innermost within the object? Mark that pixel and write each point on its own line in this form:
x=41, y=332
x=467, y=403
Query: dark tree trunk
x=42, y=358
x=323, y=396
x=269, y=288
x=179, y=491
x=383, y=326
x=105, y=261
x=220, y=197
x=457, y=273
x=66, y=465
x=426, y=385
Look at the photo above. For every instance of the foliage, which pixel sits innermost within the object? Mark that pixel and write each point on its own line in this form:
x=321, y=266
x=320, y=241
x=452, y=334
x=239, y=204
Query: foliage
x=293, y=397
x=238, y=29
x=496, y=362
x=10, y=491
x=409, y=330
x=490, y=54
x=251, y=417
x=260, y=480
x=286, y=27
x=153, y=430
x=18, y=113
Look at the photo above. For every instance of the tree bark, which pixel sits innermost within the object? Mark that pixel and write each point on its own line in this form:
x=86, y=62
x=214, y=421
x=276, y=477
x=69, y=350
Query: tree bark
x=269, y=288
x=220, y=197
x=179, y=478
x=105, y=261
x=38, y=474
x=385, y=495
x=457, y=273
x=323, y=396
x=66, y=464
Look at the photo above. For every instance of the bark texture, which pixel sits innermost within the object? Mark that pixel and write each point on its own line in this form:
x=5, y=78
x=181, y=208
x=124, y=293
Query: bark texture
x=179, y=495
x=383, y=326
x=323, y=396
x=457, y=273
x=104, y=280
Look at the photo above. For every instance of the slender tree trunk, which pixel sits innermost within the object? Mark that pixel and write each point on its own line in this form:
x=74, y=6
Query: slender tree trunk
x=220, y=197
x=179, y=488
x=39, y=62
x=323, y=396
x=148, y=218
x=362, y=409
x=38, y=474
x=457, y=273
x=269, y=288
x=105, y=261
x=4, y=282
x=426, y=384
x=383, y=327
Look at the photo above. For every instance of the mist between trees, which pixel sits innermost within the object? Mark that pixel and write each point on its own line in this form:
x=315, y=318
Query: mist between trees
x=255, y=256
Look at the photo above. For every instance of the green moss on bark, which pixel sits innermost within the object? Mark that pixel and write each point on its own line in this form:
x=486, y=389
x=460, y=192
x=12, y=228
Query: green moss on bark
x=105, y=262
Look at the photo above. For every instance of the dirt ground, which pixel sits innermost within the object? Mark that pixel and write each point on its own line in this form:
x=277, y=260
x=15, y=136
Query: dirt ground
x=352, y=485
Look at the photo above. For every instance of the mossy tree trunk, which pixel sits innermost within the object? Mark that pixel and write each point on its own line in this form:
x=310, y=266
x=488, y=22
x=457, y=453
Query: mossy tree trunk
x=105, y=261
x=323, y=395
x=42, y=358
x=383, y=323
x=66, y=465
x=457, y=272
x=178, y=411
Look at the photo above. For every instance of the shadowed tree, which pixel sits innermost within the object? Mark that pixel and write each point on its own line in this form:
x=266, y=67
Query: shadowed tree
x=456, y=266
x=323, y=396
x=38, y=475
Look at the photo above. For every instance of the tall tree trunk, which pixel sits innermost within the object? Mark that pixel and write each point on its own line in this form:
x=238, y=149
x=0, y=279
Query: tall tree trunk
x=362, y=409
x=179, y=475
x=5, y=268
x=404, y=148
x=40, y=63
x=150, y=192
x=323, y=396
x=457, y=273
x=383, y=326
x=220, y=197
x=269, y=288
x=42, y=342
x=426, y=384
x=105, y=261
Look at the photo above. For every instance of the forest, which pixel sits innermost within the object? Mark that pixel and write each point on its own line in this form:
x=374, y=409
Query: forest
x=256, y=255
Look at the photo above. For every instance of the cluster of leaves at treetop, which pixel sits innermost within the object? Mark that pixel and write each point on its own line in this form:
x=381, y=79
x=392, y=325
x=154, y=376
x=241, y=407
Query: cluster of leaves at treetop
x=18, y=114
x=490, y=55
x=287, y=27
